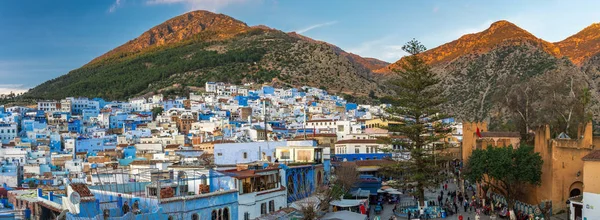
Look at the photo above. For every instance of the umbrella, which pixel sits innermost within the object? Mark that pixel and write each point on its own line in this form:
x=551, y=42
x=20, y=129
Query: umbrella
x=380, y=191
x=395, y=192
x=390, y=189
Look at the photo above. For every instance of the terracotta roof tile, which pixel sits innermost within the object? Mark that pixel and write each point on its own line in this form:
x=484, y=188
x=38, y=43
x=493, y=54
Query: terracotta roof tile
x=373, y=162
x=172, y=146
x=82, y=189
x=593, y=156
x=500, y=134
x=357, y=141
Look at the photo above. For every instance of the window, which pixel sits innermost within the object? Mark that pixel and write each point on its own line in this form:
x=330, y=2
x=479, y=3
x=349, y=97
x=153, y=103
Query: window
x=195, y=216
x=213, y=215
x=219, y=154
x=225, y=214
x=271, y=206
x=285, y=155
x=246, y=216
x=356, y=150
x=245, y=155
x=263, y=208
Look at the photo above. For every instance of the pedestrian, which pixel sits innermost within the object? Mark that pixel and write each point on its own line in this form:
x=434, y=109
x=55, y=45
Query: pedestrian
x=125, y=208
x=446, y=186
x=409, y=214
x=455, y=208
x=135, y=208
x=421, y=213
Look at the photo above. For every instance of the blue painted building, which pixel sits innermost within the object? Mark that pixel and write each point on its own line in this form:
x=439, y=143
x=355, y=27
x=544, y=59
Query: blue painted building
x=301, y=181
x=351, y=106
x=117, y=120
x=129, y=152
x=268, y=90
x=370, y=183
x=101, y=102
x=205, y=117
x=40, y=116
x=89, y=113
x=75, y=126
x=30, y=125
x=55, y=142
x=241, y=100
x=93, y=145
x=169, y=104
x=186, y=203
x=361, y=156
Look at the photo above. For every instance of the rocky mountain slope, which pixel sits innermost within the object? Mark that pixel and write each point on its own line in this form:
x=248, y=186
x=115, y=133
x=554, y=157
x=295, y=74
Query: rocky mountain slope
x=200, y=46
x=583, y=45
x=506, y=73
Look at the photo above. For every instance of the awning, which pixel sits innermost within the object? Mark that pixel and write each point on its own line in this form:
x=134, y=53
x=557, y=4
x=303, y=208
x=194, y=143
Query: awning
x=347, y=202
x=344, y=215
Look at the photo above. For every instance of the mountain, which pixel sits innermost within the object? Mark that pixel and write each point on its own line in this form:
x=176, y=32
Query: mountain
x=577, y=48
x=582, y=45
x=181, y=28
x=183, y=53
x=369, y=63
x=499, y=33
x=507, y=74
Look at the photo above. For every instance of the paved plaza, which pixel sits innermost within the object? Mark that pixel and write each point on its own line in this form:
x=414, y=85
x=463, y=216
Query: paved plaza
x=387, y=210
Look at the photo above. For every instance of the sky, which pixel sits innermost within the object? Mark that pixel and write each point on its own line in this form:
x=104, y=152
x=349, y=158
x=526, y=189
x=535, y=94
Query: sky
x=41, y=40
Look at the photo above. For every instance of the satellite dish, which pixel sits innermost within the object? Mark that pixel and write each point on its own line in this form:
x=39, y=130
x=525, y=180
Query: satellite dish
x=75, y=198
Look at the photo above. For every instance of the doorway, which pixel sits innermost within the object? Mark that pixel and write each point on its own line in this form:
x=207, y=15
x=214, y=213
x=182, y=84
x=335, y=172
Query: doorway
x=578, y=209
x=574, y=192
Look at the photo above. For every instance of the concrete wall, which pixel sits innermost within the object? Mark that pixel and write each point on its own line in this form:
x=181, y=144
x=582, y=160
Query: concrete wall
x=591, y=177
x=562, y=170
x=233, y=153
x=591, y=206
x=470, y=137
x=203, y=206
x=251, y=202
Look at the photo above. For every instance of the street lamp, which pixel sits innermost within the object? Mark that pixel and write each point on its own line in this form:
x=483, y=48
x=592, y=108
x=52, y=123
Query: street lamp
x=568, y=209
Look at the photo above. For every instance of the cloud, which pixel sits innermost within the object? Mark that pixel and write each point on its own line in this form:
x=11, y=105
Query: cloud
x=436, y=9
x=114, y=6
x=14, y=88
x=393, y=53
x=209, y=5
x=469, y=30
x=384, y=48
x=306, y=29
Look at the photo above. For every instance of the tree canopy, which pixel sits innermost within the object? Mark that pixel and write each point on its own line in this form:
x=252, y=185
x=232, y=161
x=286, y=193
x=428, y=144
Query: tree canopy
x=417, y=107
x=505, y=169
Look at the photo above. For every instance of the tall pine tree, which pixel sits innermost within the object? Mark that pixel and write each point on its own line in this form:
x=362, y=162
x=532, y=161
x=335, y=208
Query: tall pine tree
x=417, y=106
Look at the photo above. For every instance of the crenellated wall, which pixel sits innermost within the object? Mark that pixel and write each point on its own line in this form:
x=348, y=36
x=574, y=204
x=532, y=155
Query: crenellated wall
x=469, y=141
x=562, y=171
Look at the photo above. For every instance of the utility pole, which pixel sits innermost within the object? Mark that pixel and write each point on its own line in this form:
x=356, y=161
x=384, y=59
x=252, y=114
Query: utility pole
x=304, y=123
x=265, y=118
